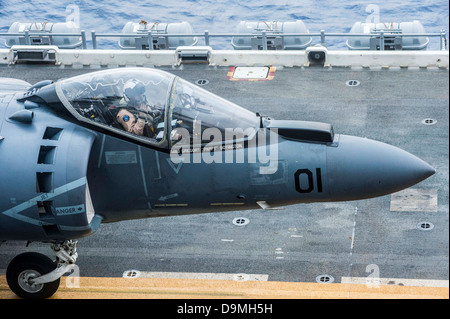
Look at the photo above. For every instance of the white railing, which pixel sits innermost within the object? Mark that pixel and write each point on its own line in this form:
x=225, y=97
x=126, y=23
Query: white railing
x=264, y=35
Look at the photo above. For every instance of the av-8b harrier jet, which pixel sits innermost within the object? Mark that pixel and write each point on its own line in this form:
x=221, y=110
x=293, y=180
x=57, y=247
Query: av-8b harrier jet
x=135, y=143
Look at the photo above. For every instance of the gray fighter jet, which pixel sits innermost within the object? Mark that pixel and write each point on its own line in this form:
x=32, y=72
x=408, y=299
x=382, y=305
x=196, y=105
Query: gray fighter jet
x=134, y=143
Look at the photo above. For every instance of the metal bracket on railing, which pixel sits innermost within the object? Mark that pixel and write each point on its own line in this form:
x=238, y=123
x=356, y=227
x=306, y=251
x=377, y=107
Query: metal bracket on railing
x=316, y=56
x=36, y=54
x=200, y=54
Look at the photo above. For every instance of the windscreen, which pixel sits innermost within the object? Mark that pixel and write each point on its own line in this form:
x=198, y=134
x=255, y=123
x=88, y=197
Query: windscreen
x=201, y=117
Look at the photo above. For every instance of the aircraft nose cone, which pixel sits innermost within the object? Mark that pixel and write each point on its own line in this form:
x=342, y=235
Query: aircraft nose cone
x=362, y=168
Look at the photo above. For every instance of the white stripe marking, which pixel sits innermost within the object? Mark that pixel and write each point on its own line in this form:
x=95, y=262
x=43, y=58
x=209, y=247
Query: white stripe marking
x=192, y=275
x=395, y=282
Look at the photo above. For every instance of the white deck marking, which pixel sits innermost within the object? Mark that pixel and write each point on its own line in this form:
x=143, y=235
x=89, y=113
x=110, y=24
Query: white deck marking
x=395, y=282
x=192, y=275
x=415, y=200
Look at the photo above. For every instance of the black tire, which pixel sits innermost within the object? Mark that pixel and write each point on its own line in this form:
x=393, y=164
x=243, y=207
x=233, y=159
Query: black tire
x=30, y=265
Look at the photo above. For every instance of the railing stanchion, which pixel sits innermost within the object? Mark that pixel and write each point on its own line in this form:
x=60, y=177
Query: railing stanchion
x=94, y=39
x=83, y=39
x=443, y=44
x=27, y=37
x=150, y=40
x=264, y=40
x=322, y=37
x=206, y=37
x=382, y=41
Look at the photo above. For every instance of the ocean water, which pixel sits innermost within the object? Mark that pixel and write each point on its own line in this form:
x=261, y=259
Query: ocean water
x=222, y=16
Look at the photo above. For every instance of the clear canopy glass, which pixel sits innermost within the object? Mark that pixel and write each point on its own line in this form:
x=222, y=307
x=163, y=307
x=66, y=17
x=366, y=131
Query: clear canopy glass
x=207, y=117
x=128, y=101
x=153, y=106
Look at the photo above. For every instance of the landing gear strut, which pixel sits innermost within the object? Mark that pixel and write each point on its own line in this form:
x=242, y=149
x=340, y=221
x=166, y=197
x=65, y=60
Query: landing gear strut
x=33, y=275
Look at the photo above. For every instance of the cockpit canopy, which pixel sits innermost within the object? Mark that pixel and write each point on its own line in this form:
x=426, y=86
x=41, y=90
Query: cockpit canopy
x=154, y=107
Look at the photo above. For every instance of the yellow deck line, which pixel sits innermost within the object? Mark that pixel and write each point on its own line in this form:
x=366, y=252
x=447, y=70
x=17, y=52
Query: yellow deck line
x=156, y=288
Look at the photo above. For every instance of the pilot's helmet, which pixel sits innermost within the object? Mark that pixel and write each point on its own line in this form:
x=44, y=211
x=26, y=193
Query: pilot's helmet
x=134, y=92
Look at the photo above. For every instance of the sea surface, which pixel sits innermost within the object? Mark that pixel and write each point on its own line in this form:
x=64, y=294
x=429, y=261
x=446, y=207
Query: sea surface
x=222, y=16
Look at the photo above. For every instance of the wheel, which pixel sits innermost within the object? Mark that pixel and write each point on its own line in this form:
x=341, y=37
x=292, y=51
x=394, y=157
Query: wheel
x=25, y=267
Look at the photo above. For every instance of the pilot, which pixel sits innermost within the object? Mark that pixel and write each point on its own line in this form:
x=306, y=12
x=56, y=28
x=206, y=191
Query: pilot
x=135, y=115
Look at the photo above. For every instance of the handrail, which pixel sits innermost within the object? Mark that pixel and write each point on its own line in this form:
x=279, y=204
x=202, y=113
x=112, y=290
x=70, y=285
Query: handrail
x=27, y=34
x=206, y=35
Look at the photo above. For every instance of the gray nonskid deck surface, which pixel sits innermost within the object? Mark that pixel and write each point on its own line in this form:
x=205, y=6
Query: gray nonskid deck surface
x=299, y=242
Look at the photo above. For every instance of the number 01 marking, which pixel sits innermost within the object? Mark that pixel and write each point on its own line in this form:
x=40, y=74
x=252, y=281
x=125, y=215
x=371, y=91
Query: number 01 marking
x=309, y=174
